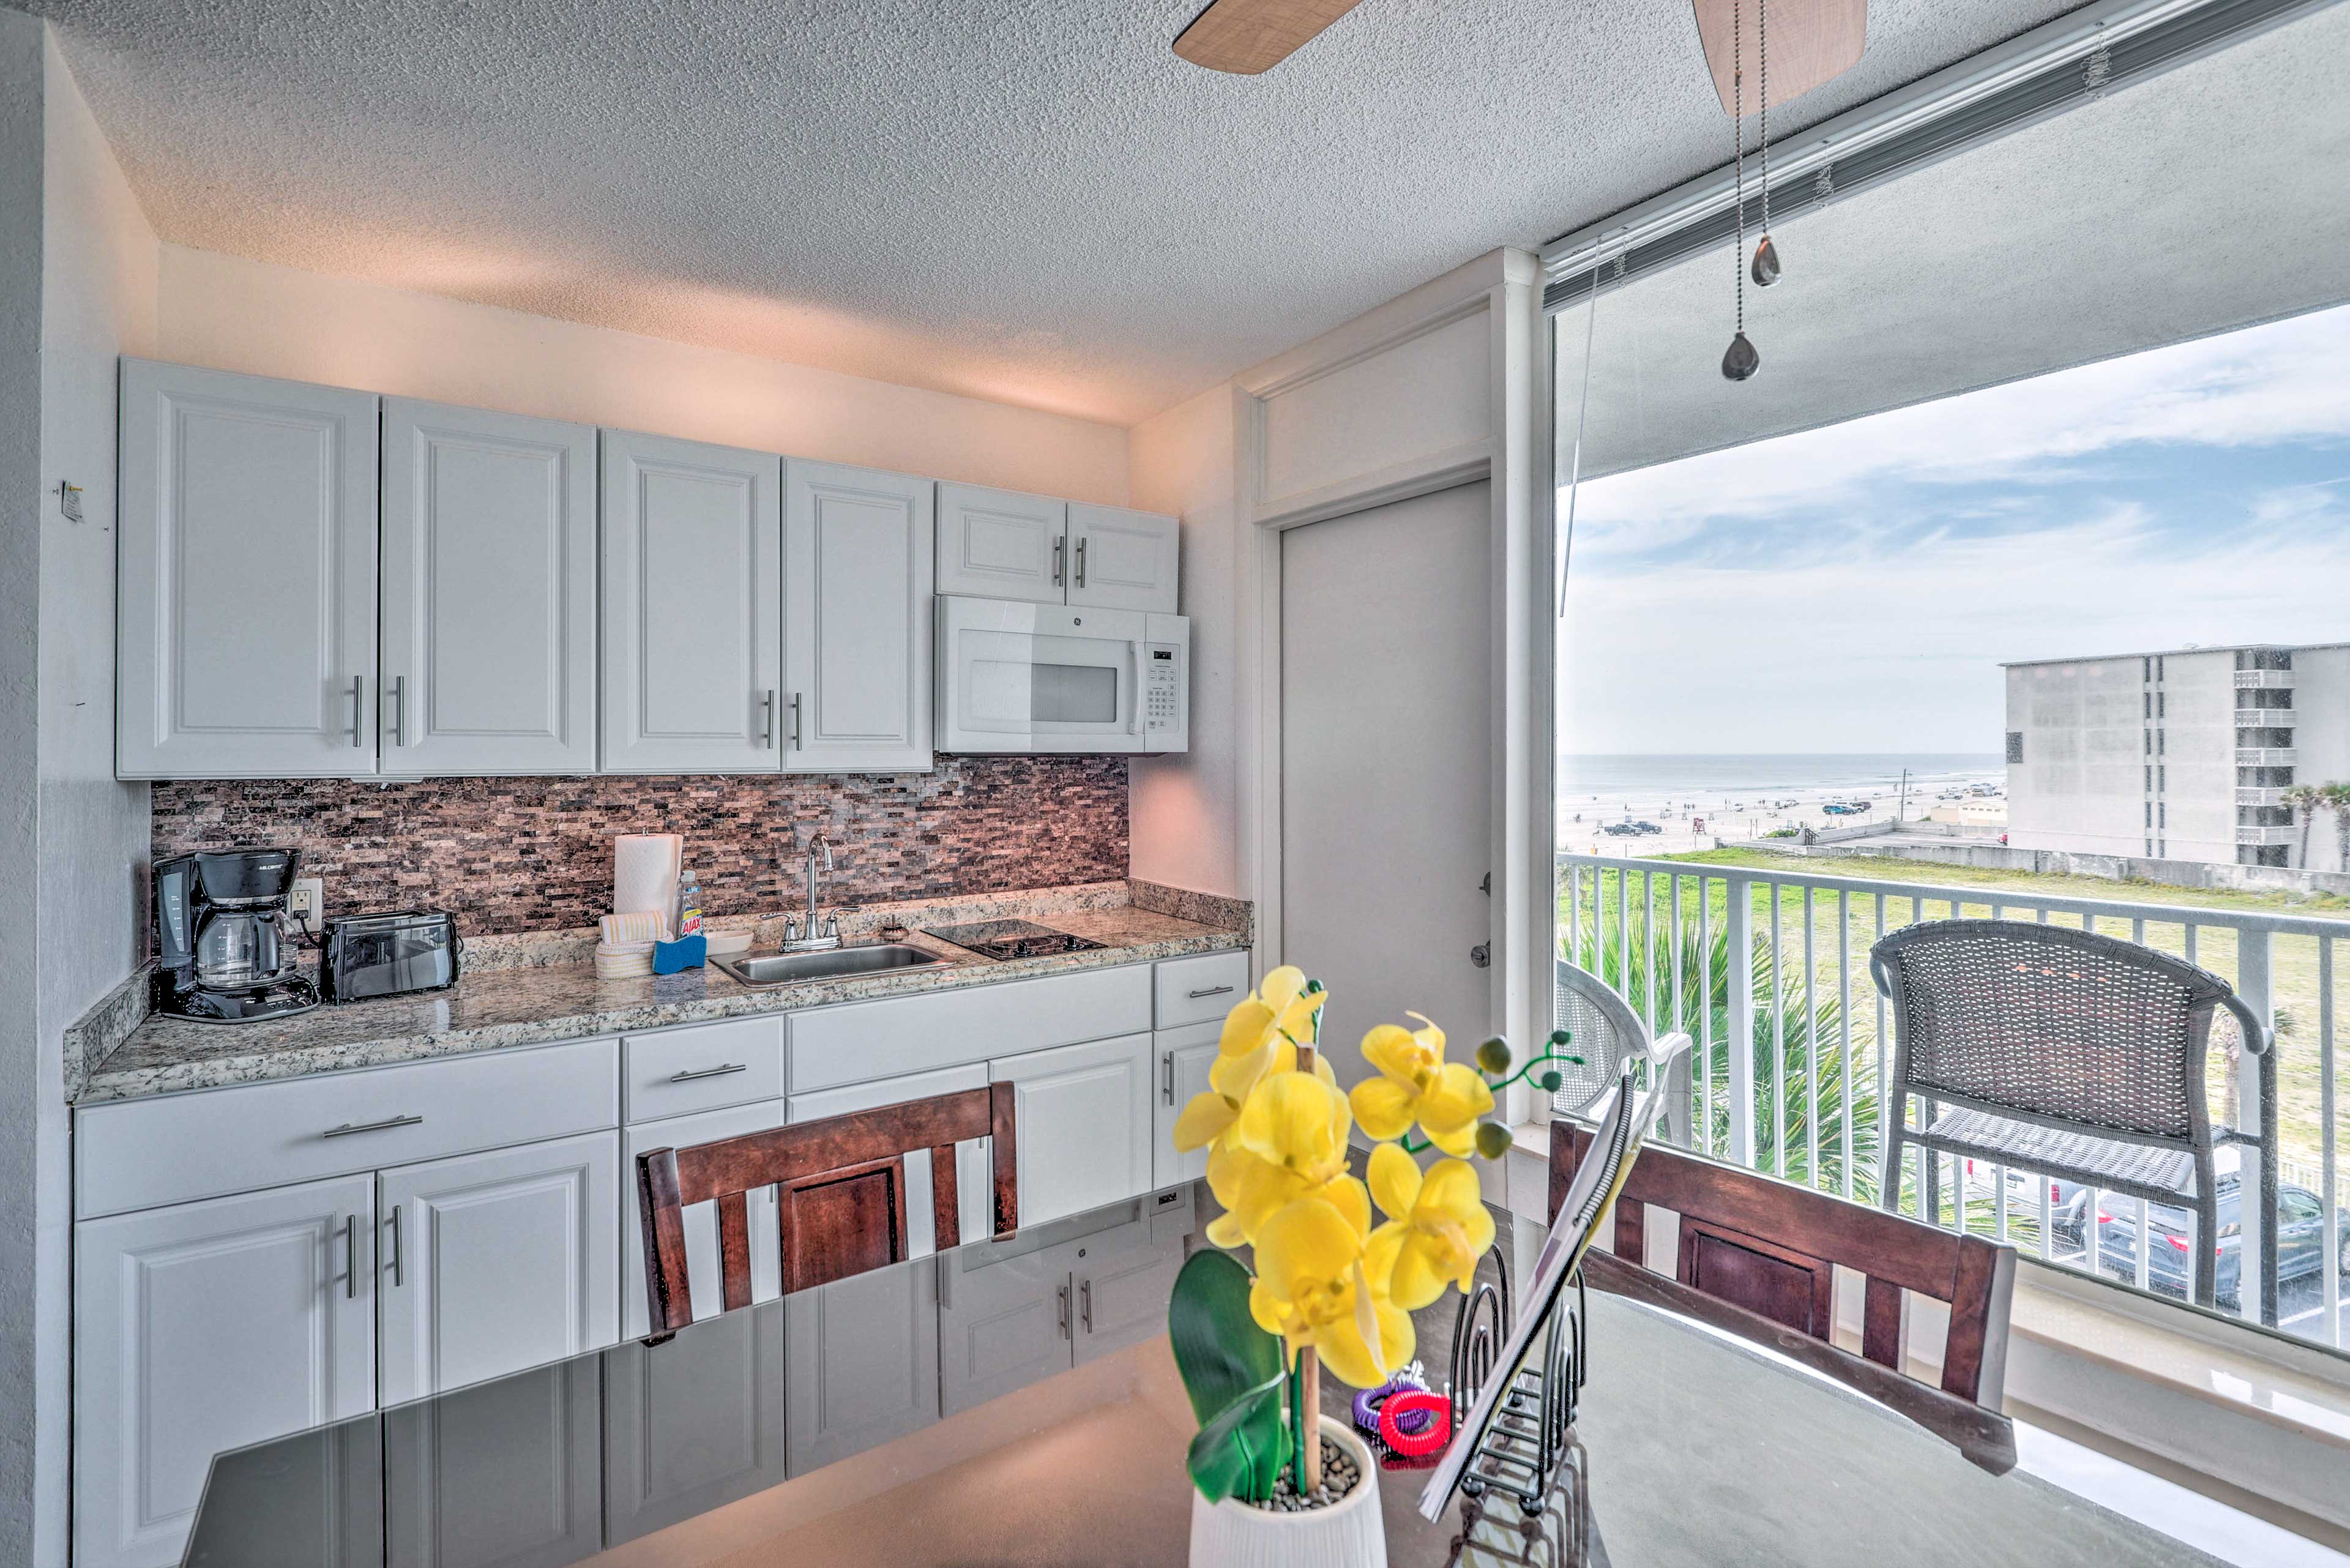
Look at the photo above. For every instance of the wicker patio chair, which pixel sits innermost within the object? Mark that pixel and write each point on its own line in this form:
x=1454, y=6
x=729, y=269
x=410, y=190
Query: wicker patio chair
x=2068, y=1054
x=1604, y=1030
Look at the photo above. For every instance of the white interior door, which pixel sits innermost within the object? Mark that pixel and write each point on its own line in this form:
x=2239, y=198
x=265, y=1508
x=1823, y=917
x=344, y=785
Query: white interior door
x=494, y=1263
x=489, y=592
x=1386, y=765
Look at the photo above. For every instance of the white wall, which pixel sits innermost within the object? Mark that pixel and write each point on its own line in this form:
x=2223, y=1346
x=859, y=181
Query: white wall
x=97, y=302
x=1185, y=819
x=24, y=1346
x=236, y=315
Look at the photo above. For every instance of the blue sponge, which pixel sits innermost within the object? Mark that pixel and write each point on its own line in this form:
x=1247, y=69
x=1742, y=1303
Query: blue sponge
x=687, y=952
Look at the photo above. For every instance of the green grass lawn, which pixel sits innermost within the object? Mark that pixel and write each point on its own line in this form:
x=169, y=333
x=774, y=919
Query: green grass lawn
x=2295, y=959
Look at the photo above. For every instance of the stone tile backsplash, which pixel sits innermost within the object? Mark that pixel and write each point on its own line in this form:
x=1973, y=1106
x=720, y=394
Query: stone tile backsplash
x=512, y=855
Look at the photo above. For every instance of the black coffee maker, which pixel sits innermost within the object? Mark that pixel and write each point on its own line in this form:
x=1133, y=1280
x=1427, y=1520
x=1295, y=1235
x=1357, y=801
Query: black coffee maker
x=220, y=953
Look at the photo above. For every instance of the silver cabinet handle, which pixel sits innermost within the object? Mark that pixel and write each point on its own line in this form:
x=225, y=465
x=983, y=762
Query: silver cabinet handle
x=767, y=722
x=1167, y=1076
x=1212, y=991
x=1060, y=548
x=1064, y=1309
x=347, y=1129
x=1081, y=560
x=1086, y=1304
x=352, y=1252
x=399, y=711
x=720, y=1071
x=396, y=1271
x=356, y=738
x=795, y=722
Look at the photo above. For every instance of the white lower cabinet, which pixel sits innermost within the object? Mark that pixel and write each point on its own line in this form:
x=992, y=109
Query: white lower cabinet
x=1084, y=1117
x=207, y=1326
x=490, y=1262
x=500, y=1475
x=1184, y=1057
x=700, y=1218
x=1122, y=1289
x=861, y=1363
x=694, y=1422
x=1002, y=1326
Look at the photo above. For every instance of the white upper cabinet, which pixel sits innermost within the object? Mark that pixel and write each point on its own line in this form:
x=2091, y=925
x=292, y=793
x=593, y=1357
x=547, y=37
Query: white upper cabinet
x=859, y=550
x=1122, y=560
x=1002, y=545
x=692, y=602
x=489, y=593
x=246, y=612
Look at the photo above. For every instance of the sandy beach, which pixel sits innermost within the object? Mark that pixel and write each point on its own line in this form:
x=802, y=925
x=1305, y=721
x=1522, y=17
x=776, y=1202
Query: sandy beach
x=1694, y=819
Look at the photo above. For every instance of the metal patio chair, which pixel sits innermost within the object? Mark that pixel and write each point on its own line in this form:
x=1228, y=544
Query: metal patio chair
x=2066, y=1054
x=1605, y=1031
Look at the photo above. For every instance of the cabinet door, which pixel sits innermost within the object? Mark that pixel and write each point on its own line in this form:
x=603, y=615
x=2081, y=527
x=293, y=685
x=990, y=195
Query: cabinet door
x=500, y=1475
x=1122, y=560
x=489, y=1263
x=1122, y=1294
x=1002, y=545
x=858, y=556
x=862, y=1363
x=694, y=1422
x=245, y=632
x=700, y=1218
x=1002, y=1326
x=693, y=605
x=1084, y=1124
x=489, y=593
x=207, y=1326
x=1184, y=1057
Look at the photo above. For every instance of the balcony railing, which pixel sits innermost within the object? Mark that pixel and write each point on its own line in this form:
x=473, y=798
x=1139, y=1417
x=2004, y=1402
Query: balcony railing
x=2266, y=756
x=2266, y=835
x=1670, y=935
x=2264, y=718
x=2272, y=795
x=2263, y=679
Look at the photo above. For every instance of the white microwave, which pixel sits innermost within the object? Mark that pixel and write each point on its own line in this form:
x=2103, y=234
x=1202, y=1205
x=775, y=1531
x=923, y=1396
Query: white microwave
x=1017, y=677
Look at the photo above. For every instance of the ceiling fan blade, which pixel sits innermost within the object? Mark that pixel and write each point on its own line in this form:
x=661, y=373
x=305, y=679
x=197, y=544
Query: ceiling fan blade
x=1249, y=36
x=1811, y=41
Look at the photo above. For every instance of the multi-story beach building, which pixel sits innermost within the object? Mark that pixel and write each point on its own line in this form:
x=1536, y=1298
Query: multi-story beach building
x=2182, y=754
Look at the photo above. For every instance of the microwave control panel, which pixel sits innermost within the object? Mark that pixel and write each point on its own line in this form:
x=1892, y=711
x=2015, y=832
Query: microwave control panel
x=1162, y=689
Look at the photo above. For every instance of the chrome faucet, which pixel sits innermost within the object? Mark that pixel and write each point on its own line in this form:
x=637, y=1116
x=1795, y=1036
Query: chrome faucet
x=815, y=935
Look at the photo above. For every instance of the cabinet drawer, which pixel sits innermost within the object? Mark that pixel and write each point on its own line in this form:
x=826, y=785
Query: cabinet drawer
x=147, y=1152
x=867, y=1039
x=703, y=1067
x=1195, y=990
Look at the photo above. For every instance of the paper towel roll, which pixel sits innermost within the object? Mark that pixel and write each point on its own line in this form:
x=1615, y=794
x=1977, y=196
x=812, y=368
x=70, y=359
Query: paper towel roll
x=645, y=868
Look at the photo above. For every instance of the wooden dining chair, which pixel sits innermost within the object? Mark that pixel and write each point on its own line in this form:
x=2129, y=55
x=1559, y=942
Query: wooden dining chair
x=1772, y=1249
x=840, y=1194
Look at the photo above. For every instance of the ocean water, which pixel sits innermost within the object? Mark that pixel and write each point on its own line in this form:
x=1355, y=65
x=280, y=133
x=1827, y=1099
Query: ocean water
x=1588, y=774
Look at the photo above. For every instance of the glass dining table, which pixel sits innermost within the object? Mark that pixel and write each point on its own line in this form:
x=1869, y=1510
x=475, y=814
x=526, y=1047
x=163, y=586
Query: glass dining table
x=716, y=1446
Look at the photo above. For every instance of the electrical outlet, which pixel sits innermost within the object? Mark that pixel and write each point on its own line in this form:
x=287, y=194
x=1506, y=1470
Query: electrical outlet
x=305, y=904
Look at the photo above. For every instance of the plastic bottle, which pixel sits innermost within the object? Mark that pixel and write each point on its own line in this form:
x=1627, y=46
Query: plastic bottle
x=689, y=906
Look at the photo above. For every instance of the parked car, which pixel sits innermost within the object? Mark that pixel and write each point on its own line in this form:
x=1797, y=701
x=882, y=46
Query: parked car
x=1620, y=830
x=1646, y=827
x=2170, y=1268
x=1844, y=808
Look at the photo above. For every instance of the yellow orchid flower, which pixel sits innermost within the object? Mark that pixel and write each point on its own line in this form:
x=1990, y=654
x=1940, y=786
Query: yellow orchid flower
x=1281, y=1008
x=1417, y=1084
x=1311, y=1289
x=1437, y=1226
x=1212, y=1115
x=1288, y=1141
x=1253, y=1189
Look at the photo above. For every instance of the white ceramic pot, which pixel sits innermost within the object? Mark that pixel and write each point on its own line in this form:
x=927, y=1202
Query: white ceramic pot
x=1229, y=1534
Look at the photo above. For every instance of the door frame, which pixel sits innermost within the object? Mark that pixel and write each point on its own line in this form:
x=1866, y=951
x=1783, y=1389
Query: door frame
x=1376, y=363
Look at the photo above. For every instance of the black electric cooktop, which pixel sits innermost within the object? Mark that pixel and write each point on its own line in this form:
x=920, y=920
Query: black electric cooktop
x=1012, y=939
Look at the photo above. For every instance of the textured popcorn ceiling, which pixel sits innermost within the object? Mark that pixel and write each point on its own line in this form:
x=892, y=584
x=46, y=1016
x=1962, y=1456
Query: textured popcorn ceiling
x=1032, y=200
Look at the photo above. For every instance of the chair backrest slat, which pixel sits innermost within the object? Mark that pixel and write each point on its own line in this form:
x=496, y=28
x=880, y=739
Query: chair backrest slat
x=840, y=1187
x=1773, y=1248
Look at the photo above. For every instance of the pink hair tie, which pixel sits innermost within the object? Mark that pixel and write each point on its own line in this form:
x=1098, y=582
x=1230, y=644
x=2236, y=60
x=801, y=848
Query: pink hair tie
x=1435, y=1425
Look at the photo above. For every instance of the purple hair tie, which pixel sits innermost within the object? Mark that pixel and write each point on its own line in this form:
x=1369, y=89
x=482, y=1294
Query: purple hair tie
x=1368, y=1403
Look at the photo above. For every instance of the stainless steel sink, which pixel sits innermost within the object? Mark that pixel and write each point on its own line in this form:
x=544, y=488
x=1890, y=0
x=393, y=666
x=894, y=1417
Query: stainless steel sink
x=788, y=968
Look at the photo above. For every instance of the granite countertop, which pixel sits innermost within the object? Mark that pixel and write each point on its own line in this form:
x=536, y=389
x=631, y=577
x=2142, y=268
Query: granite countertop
x=530, y=1001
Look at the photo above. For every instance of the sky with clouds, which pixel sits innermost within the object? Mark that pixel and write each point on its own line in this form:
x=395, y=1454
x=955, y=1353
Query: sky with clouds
x=1854, y=588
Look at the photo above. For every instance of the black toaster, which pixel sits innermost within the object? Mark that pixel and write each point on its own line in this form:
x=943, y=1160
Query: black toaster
x=366, y=955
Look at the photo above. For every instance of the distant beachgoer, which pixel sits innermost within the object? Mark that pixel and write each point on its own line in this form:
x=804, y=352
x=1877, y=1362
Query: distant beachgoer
x=1810, y=837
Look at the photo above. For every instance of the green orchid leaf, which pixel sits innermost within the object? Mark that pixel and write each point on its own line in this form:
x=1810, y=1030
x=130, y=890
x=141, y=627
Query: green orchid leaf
x=1231, y=1370
x=1239, y=1452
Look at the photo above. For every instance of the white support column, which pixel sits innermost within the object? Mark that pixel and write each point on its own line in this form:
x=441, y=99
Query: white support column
x=2252, y=986
x=1742, y=1020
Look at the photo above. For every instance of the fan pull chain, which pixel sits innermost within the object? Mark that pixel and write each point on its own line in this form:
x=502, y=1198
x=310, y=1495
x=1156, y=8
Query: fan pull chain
x=1740, y=360
x=1766, y=254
